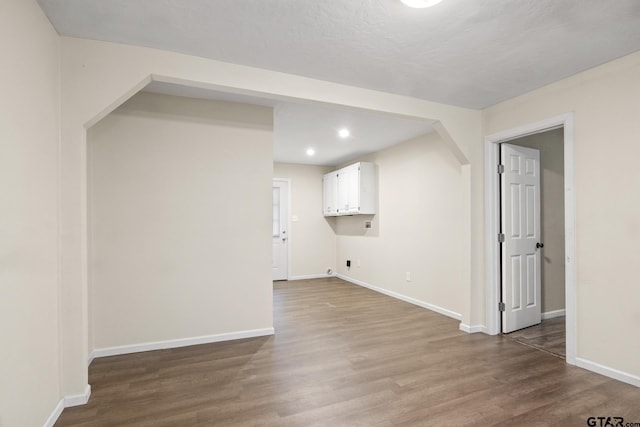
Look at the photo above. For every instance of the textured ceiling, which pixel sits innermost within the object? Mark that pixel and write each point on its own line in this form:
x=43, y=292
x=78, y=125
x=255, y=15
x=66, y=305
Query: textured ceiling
x=301, y=126
x=470, y=53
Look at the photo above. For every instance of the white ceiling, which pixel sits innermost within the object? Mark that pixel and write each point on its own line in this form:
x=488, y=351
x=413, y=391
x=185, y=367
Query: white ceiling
x=297, y=127
x=301, y=126
x=469, y=53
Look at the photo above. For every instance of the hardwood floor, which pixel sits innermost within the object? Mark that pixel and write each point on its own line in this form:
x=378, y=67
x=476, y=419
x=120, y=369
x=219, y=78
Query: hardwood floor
x=548, y=336
x=347, y=356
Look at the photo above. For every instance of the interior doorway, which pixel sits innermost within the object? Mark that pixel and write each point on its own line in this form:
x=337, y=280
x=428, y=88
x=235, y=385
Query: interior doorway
x=562, y=128
x=532, y=251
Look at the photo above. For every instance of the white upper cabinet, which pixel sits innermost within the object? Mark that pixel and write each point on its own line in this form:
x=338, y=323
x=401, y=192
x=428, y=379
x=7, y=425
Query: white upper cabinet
x=350, y=190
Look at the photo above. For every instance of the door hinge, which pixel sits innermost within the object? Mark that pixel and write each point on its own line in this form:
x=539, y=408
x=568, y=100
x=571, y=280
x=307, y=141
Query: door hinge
x=501, y=306
x=500, y=168
x=501, y=237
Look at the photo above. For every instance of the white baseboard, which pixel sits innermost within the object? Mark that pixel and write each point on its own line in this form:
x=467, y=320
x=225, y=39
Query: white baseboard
x=78, y=399
x=554, y=313
x=67, y=402
x=481, y=328
x=311, y=276
x=181, y=342
x=57, y=411
x=473, y=329
x=608, y=372
x=401, y=297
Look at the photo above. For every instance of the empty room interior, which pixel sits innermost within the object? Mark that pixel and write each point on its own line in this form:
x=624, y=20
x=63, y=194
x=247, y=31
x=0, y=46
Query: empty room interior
x=379, y=212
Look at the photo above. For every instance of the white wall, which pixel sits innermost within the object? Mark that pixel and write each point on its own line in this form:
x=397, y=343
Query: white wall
x=180, y=202
x=94, y=82
x=551, y=147
x=606, y=102
x=29, y=285
x=419, y=227
x=312, y=239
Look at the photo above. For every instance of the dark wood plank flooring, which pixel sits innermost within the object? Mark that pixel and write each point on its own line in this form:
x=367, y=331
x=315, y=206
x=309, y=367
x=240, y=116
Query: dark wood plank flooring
x=547, y=336
x=347, y=356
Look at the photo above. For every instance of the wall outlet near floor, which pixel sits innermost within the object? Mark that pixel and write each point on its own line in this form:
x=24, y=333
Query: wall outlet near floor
x=407, y=276
x=358, y=264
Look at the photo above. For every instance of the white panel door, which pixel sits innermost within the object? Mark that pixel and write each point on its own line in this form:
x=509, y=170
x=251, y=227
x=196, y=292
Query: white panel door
x=280, y=231
x=521, y=250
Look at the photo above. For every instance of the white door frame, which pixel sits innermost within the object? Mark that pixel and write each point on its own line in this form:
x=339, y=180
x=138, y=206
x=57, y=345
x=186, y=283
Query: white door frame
x=492, y=223
x=288, y=222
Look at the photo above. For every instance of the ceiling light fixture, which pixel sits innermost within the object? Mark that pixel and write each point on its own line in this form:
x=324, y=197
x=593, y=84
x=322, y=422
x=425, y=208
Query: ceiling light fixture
x=310, y=151
x=344, y=133
x=420, y=4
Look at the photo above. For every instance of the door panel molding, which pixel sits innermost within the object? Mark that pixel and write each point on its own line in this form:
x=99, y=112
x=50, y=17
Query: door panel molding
x=492, y=223
x=521, y=279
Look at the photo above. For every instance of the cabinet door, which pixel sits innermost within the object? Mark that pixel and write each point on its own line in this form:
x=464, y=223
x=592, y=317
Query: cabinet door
x=344, y=180
x=330, y=193
x=354, y=189
x=349, y=190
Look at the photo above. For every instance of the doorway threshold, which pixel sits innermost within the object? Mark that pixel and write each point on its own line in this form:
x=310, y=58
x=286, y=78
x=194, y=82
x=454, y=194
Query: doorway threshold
x=548, y=336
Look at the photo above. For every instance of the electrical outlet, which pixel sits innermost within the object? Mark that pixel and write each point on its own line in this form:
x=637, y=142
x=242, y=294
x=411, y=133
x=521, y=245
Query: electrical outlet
x=408, y=276
x=358, y=264
x=348, y=263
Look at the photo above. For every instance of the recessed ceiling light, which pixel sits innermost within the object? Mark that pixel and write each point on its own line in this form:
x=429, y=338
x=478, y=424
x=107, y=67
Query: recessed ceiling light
x=344, y=133
x=310, y=151
x=420, y=3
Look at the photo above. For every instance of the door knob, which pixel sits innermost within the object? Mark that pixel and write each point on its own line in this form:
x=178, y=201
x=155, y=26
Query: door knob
x=539, y=245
